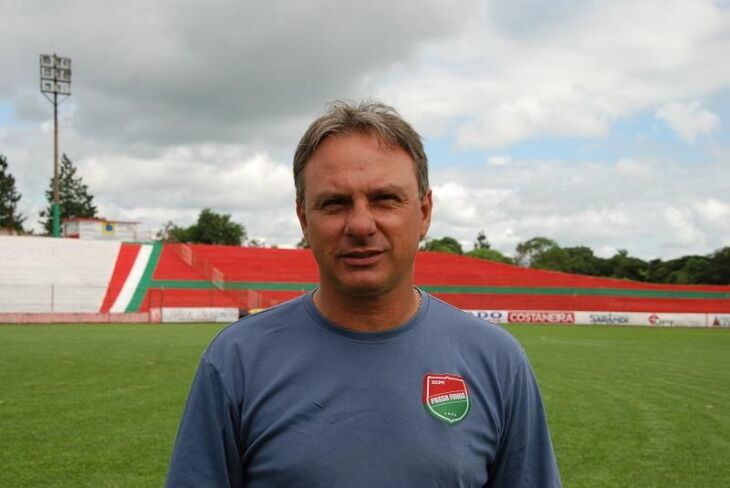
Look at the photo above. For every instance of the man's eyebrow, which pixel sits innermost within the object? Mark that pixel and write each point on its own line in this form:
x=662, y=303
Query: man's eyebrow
x=388, y=189
x=329, y=195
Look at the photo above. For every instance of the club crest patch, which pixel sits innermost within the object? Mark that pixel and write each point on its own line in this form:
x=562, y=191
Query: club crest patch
x=446, y=397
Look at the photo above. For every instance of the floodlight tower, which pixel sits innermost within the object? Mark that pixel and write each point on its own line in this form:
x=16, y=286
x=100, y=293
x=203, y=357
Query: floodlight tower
x=56, y=80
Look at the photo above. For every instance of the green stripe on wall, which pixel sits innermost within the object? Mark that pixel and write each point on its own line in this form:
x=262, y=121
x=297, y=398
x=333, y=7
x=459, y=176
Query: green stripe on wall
x=477, y=290
x=613, y=292
x=145, y=282
x=231, y=285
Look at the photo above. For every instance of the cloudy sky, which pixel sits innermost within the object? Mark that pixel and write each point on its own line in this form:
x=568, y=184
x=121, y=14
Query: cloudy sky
x=603, y=123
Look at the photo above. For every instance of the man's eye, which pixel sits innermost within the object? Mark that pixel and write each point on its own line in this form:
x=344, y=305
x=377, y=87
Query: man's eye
x=333, y=203
x=386, y=199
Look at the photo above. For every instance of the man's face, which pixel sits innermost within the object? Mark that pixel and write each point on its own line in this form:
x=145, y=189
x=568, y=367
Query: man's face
x=362, y=215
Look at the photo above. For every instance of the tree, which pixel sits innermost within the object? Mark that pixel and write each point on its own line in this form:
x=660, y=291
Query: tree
x=713, y=269
x=303, y=243
x=544, y=253
x=696, y=269
x=554, y=258
x=720, y=267
x=75, y=199
x=532, y=249
x=211, y=228
x=581, y=260
x=490, y=254
x=9, y=197
x=482, y=242
x=172, y=233
x=445, y=244
x=627, y=267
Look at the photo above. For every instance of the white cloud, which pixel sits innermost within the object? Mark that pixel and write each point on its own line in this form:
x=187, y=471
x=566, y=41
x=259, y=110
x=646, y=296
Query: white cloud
x=689, y=120
x=573, y=73
x=684, y=231
x=499, y=160
x=253, y=188
x=652, y=208
x=714, y=211
x=633, y=169
x=454, y=203
x=177, y=108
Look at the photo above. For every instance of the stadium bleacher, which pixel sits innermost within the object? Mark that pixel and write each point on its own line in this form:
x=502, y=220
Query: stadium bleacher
x=280, y=274
x=40, y=274
x=71, y=275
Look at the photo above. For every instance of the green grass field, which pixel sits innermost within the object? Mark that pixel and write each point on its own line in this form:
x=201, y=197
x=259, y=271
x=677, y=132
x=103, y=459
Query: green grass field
x=98, y=405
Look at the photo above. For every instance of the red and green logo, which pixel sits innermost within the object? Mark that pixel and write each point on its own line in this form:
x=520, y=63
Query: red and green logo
x=446, y=397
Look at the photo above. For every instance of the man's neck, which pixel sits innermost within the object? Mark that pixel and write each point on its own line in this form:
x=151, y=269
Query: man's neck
x=368, y=313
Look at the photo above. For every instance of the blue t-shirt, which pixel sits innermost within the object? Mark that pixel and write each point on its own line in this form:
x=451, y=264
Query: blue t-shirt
x=285, y=398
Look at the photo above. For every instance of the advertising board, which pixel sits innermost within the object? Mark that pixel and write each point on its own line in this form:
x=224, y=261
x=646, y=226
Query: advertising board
x=655, y=319
x=199, y=314
x=677, y=319
x=495, y=316
x=540, y=317
x=610, y=318
x=718, y=320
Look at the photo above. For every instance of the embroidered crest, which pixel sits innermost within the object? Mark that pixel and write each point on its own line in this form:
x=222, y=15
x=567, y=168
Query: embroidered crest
x=445, y=397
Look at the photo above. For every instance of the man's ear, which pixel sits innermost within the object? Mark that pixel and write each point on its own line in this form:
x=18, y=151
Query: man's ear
x=426, y=208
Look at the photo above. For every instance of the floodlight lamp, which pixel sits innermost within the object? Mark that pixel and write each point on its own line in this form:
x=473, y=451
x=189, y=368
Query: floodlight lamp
x=47, y=86
x=63, y=88
x=63, y=75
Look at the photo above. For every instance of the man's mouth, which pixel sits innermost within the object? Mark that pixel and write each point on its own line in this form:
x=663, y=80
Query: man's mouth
x=361, y=257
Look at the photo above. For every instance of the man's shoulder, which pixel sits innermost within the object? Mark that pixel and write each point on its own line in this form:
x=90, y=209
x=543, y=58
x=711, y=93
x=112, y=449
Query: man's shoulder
x=255, y=329
x=463, y=326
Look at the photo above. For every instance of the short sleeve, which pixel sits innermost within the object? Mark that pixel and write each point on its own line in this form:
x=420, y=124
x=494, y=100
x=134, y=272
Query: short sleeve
x=525, y=456
x=207, y=450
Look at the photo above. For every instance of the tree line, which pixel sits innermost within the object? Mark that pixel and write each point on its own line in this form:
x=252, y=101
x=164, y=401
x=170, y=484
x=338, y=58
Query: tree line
x=76, y=201
x=75, y=198
x=545, y=253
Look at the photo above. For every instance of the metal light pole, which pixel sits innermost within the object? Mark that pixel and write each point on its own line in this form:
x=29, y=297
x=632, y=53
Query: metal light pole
x=56, y=80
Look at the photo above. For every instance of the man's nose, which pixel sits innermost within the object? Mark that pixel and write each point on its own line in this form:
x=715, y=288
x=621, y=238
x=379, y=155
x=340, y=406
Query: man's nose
x=360, y=221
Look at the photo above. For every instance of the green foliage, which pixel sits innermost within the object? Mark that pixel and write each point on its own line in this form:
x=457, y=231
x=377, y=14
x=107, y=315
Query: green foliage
x=211, y=228
x=719, y=270
x=9, y=198
x=483, y=250
x=544, y=253
x=581, y=260
x=171, y=233
x=532, y=249
x=627, y=267
x=659, y=271
x=713, y=269
x=490, y=255
x=482, y=242
x=445, y=244
x=75, y=199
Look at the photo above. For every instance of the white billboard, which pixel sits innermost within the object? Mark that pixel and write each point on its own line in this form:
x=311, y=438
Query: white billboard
x=199, y=314
x=718, y=320
x=494, y=316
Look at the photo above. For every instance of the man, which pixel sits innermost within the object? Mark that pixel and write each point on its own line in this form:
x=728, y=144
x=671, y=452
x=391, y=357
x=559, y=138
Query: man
x=367, y=381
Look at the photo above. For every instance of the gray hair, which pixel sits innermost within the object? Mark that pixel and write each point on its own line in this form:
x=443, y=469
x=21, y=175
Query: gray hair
x=365, y=118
